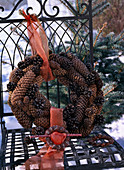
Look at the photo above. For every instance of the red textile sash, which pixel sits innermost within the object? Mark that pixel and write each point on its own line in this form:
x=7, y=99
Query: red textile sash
x=39, y=43
x=48, y=158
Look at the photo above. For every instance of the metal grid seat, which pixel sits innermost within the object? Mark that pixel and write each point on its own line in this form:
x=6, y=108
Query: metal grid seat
x=79, y=155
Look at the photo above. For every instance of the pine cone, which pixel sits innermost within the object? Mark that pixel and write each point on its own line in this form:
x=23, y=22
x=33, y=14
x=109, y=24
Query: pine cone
x=85, y=131
x=64, y=81
x=19, y=73
x=44, y=122
x=76, y=77
x=47, y=104
x=99, y=119
x=74, y=131
x=63, y=54
x=63, y=61
x=13, y=78
x=88, y=65
x=99, y=109
x=73, y=86
x=79, y=114
x=89, y=112
x=32, y=90
x=99, y=84
x=68, y=111
x=80, y=67
x=98, y=80
x=93, y=90
x=73, y=97
x=36, y=70
x=9, y=99
x=11, y=86
x=59, y=72
x=87, y=123
x=28, y=61
x=95, y=109
x=90, y=79
x=99, y=93
x=32, y=109
x=27, y=68
x=81, y=90
x=22, y=118
x=52, y=56
x=38, y=130
x=82, y=101
x=54, y=65
x=72, y=124
x=22, y=86
x=22, y=65
x=99, y=100
x=38, y=80
x=37, y=61
x=71, y=56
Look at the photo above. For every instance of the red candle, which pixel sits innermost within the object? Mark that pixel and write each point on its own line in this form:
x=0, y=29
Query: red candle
x=56, y=116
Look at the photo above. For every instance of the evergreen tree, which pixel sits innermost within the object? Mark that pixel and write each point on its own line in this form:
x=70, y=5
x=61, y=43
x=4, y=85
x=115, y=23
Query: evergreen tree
x=107, y=52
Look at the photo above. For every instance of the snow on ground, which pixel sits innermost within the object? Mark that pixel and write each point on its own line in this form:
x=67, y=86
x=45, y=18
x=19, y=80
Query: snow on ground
x=117, y=130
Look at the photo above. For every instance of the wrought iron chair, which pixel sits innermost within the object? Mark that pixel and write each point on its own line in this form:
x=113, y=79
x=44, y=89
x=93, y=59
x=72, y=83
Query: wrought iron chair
x=14, y=151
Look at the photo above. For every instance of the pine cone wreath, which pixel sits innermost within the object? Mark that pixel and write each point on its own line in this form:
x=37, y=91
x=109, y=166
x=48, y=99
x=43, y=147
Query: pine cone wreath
x=30, y=106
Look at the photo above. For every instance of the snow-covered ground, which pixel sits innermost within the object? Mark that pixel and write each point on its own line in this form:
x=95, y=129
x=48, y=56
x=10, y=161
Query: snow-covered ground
x=117, y=130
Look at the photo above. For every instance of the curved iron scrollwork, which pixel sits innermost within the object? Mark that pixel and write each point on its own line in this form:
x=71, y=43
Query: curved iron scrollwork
x=31, y=8
x=2, y=8
x=43, y=8
x=54, y=7
x=84, y=5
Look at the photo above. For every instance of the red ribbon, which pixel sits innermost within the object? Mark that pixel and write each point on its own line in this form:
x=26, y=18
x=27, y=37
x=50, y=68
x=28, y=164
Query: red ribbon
x=39, y=43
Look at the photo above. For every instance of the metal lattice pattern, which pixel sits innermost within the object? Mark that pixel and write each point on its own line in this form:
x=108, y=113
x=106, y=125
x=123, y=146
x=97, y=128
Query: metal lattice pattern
x=79, y=155
x=15, y=44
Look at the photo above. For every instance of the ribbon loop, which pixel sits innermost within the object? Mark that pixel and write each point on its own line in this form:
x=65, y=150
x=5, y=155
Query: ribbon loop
x=39, y=43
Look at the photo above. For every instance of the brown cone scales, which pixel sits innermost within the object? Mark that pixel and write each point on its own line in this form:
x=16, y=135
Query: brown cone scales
x=30, y=106
x=74, y=76
x=85, y=86
x=80, y=67
x=64, y=81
